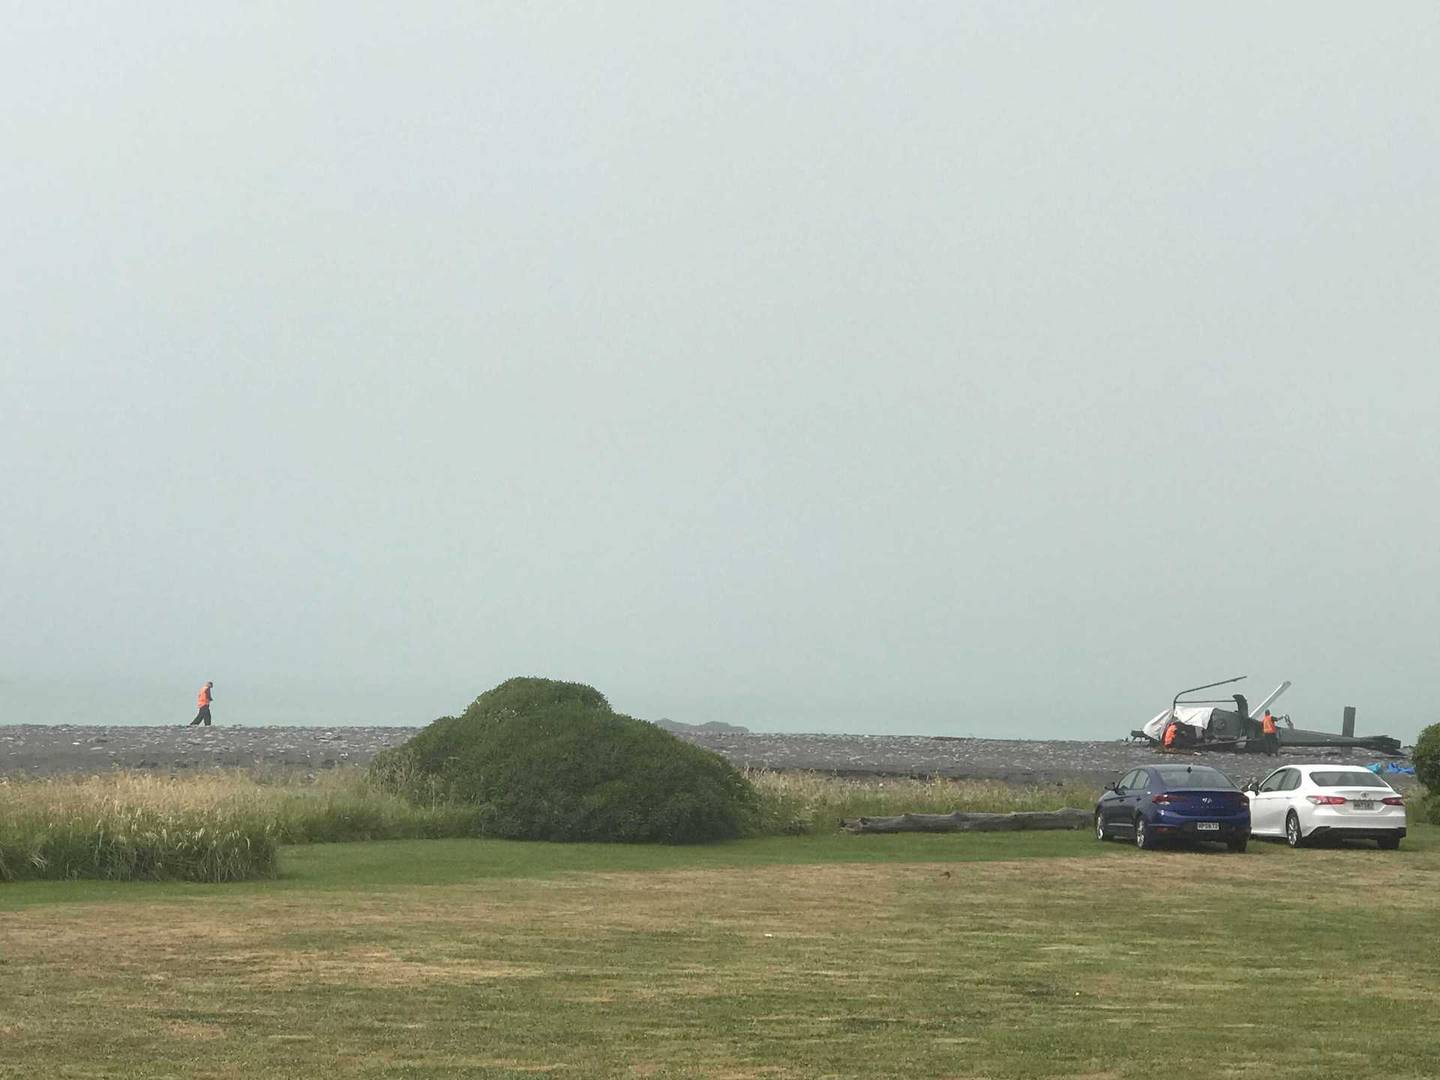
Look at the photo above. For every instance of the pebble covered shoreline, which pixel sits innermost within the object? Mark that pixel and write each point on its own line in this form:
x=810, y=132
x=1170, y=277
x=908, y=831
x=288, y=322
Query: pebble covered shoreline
x=48, y=750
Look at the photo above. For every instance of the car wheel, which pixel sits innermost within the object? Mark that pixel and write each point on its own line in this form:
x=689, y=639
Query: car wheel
x=1389, y=843
x=1237, y=846
x=1143, y=839
x=1292, y=830
x=1101, y=833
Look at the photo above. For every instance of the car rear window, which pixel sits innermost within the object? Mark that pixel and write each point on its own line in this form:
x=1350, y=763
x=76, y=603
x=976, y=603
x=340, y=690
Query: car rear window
x=1347, y=779
x=1194, y=777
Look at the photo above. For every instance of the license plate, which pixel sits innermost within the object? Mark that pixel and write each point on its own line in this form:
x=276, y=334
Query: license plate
x=1208, y=826
x=1363, y=804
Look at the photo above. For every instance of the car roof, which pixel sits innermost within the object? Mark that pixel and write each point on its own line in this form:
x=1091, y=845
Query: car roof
x=1167, y=772
x=1308, y=769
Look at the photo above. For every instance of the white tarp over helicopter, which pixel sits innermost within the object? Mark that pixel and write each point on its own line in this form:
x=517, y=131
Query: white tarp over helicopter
x=1199, y=716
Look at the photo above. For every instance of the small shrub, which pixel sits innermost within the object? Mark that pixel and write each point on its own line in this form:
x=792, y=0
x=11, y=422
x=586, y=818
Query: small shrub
x=1426, y=758
x=546, y=760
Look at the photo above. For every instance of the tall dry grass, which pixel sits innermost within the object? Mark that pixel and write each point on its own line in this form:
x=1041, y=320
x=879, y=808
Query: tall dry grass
x=216, y=826
x=227, y=825
x=127, y=829
x=796, y=802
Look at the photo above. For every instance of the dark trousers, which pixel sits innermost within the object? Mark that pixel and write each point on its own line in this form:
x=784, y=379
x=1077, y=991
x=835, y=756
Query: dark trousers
x=202, y=715
x=1272, y=743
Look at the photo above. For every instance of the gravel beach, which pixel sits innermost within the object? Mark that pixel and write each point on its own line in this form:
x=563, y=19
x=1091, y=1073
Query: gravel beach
x=44, y=750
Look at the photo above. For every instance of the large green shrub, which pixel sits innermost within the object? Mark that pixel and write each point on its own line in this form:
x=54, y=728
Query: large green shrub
x=546, y=760
x=1426, y=757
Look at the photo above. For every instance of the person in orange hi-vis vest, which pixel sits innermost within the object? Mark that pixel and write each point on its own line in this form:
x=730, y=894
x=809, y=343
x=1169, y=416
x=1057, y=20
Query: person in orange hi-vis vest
x=1172, y=733
x=203, y=699
x=1269, y=733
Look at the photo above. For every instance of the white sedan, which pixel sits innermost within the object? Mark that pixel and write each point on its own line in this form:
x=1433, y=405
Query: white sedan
x=1305, y=802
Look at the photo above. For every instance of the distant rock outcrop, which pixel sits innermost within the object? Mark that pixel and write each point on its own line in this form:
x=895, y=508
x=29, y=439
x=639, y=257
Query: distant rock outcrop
x=713, y=727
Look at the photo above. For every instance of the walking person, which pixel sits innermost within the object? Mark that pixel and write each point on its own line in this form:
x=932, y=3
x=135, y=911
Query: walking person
x=203, y=699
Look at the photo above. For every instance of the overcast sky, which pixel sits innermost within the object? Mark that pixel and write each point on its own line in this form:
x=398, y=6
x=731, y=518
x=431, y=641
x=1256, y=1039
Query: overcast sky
x=989, y=368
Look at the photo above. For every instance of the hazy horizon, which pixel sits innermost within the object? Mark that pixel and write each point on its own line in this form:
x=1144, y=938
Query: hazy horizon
x=990, y=369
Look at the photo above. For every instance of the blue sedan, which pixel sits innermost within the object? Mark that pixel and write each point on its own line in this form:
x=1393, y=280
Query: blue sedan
x=1174, y=802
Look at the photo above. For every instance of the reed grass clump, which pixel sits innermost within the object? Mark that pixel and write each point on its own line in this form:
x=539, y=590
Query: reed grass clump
x=75, y=830
x=138, y=847
x=217, y=826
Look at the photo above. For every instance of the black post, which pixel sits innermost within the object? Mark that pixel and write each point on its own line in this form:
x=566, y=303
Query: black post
x=1347, y=727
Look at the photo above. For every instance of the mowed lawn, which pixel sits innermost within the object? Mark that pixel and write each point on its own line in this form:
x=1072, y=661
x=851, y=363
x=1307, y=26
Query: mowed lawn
x=849, y=956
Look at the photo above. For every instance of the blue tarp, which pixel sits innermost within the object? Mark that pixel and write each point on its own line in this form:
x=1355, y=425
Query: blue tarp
x=1391, y=767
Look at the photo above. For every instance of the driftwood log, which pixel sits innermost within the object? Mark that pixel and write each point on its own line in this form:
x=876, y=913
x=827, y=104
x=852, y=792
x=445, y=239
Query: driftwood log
x=1068, y=818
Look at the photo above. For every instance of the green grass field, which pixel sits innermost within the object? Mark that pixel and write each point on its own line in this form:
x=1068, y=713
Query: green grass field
x=1028, y=955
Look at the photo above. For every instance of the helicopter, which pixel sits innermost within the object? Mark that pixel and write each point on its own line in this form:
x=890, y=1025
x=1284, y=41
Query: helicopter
x=1205, y=725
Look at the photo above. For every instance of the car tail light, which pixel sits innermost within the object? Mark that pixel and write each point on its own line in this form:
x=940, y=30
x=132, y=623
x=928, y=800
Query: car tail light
x=1163, y=800
x=1327, y=800
x=1394, y=800
x=1245, y=801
